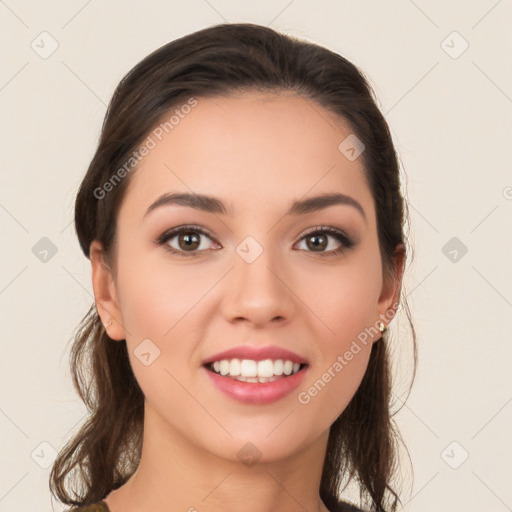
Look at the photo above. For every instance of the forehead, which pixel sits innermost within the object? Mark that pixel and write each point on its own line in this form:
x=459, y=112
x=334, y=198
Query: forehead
x=251, y=150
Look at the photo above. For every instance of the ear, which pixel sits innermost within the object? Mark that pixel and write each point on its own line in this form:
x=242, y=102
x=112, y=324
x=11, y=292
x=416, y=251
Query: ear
x=390, y=294
x=105, y=293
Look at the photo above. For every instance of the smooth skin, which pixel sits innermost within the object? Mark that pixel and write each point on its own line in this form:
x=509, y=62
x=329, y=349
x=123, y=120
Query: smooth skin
x=257, y=153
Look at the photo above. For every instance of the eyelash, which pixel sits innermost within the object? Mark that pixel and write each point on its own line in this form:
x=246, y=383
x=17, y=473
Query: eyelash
x=345, y=241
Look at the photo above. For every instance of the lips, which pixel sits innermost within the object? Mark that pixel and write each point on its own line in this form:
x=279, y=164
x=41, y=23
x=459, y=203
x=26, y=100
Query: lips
x=256, y=354
x=261, y=389
x=256, y=393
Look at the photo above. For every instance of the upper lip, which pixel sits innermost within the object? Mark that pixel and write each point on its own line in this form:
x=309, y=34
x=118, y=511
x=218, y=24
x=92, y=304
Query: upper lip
x=256, y=354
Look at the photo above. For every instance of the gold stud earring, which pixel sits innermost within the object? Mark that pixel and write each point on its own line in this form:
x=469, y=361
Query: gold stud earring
x=383, y=327
x=107, y=325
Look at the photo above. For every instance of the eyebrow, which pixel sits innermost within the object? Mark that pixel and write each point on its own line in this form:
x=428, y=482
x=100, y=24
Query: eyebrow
x=213, y=205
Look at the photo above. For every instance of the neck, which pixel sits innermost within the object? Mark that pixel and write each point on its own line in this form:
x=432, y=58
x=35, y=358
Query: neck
x=176, y=475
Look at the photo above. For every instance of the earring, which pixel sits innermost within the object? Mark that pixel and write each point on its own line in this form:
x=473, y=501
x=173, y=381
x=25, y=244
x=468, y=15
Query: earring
x=383, y=327
x=107, y=325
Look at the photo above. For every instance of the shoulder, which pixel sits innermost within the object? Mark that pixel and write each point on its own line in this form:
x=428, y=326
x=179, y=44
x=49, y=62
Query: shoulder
x=100, y=506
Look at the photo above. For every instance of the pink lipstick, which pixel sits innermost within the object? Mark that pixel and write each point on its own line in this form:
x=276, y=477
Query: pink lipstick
x=256, y=375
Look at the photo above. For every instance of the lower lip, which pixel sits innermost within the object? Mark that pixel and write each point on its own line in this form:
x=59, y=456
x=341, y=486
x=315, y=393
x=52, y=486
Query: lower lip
x=256, y=392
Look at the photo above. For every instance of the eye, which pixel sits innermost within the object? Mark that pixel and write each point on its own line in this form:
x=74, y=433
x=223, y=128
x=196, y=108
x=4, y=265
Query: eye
x=317, y=239
x=188, y=240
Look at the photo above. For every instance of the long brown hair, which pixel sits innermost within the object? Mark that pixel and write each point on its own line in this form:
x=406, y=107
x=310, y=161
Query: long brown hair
x=219, y=60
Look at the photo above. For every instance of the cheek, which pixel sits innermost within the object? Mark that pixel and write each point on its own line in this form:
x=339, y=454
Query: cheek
x=158, y=296
x=342, y=356
x=328, y=393
x=345, y=299
x=165, y=303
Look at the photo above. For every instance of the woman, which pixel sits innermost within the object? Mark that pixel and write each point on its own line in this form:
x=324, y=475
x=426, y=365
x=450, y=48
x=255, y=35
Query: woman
x=244, y=222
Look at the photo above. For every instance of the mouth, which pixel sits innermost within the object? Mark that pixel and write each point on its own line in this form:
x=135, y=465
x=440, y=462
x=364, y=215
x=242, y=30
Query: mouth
x=255, y=382
x=257, y=372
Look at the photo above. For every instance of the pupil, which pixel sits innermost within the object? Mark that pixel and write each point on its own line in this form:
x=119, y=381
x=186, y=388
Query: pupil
x=316, y=238
x=190, y=240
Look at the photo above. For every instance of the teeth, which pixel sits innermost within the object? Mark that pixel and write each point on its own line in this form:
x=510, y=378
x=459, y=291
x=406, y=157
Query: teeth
x=265, y=368
x=234, y=367
x=261, y=380
x=248, y=370
x=224, y=367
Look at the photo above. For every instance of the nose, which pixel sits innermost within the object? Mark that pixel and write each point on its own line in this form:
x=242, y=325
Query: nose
x=258, y=293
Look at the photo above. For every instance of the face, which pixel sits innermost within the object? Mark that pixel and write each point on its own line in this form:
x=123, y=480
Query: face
x=248, y=275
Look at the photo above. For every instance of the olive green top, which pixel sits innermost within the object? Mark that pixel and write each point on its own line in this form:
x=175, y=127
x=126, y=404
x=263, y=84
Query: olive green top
x=101, y=506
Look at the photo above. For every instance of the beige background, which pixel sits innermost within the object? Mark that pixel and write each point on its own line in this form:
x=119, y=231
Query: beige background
x=449, y=109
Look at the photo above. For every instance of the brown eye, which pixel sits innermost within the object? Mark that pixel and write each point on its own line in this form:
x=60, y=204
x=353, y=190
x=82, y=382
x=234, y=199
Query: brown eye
x=318, y=241
x=186, y=241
